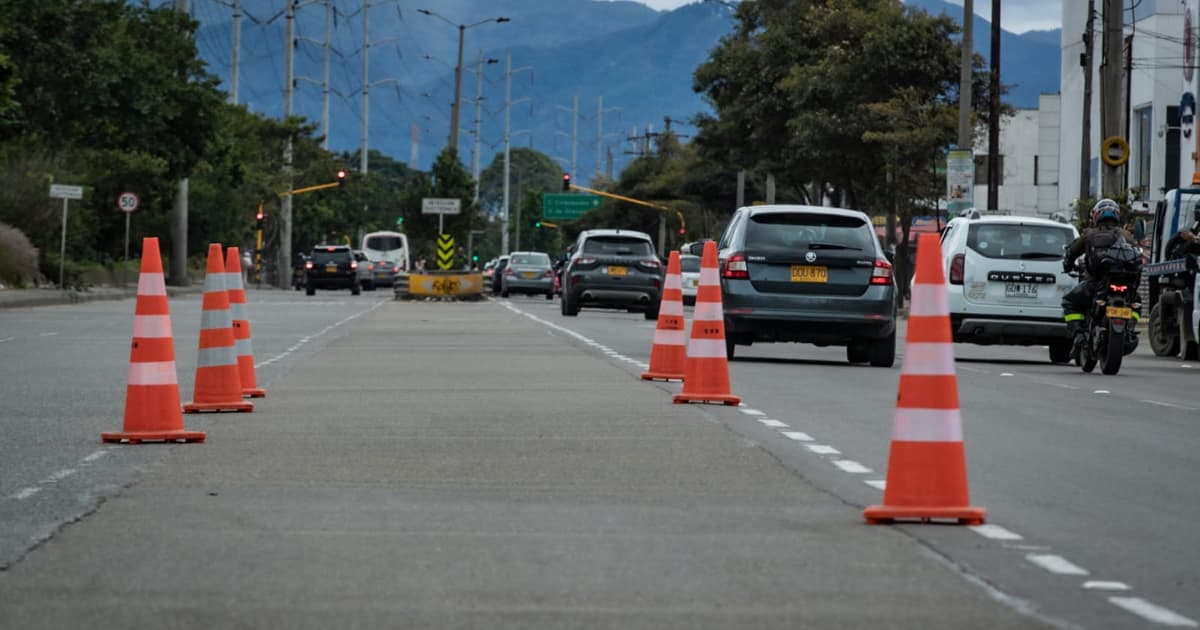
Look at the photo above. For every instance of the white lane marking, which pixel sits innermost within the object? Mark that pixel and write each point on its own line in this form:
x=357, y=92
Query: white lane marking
x=851, y=466
x=59, y=475
x=995, y=532
x=1063, y=385
x=773, y=423
x=7, y=339
x=94, y=456
x=1171, y=405
x=752, y=412
x=821, y=449
x=49, y=334
x=1186, y=366
x=797, y=435
x=1101, y=391
x=1056, y=564
x=880, y=484
x=25, y=493
x=1006, y=374
x=304, y=340
x=1098, y=585
x=1153, y=612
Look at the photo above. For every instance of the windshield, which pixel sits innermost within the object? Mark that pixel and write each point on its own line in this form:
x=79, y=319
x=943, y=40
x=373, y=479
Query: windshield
x=322, y=256
x=1014, y=241
x=617, y=246
x=689, y=264
x=808, y=230
x=530, y=260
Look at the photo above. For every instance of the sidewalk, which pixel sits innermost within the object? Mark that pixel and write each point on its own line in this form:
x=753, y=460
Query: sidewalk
x=25, y=298
x=455, y=465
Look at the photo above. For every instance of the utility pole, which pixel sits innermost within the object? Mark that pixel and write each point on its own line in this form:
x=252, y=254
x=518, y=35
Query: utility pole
x=179, y=212
x=478, y=123
x=366, y=87
x=508, y=103
x=282, y=278
x=994, y=170
x=327, y=44
x=462, y=29
x=574, y=132
x=1085, y=158
x=965, y=141
x=1110, y=88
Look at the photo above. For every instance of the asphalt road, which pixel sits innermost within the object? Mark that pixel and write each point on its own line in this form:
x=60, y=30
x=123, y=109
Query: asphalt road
x=499, y=465
x=1089, y=480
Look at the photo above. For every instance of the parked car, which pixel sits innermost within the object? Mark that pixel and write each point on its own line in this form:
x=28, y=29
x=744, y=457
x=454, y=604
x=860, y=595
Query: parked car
x=528, y=272
x=498, y=273
x=1005, y=281
x=612, y=269
x=689, y=267
x=808, y=274
x=331, y=267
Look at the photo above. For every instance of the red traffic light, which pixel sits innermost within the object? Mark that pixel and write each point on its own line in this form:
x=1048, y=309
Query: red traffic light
x=682, y=231
x=341, y=176
x=566, y=182
x=258, y=216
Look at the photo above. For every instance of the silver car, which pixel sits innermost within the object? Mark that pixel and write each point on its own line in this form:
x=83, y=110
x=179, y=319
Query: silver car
x=808, y=274
x=528, y=272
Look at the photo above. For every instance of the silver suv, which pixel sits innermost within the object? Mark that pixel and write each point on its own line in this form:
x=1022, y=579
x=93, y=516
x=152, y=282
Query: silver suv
x=612, y=269
x=809, y=274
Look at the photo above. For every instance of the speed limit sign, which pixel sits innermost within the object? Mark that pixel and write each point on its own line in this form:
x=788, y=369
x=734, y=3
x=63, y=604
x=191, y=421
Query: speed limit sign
x=127, y=202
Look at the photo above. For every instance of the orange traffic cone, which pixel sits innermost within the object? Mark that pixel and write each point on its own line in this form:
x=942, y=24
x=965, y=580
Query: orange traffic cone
x=706, y=370
x=152, y=395
x=669, y=351
x=241, y=323
x=927, y=471
x=218, y=382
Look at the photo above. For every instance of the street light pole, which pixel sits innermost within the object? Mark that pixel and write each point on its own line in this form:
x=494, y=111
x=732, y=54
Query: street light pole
x=508, y=103
x=453, y=142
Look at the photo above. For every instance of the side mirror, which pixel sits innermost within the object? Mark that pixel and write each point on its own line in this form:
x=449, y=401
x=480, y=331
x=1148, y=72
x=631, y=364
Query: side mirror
x=1139, y=230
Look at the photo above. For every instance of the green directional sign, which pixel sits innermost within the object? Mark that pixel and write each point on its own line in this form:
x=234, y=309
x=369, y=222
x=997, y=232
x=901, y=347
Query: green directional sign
x=567, y=205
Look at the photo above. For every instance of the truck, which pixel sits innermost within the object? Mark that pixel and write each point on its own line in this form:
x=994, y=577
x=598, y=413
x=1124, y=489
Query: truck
x=1174, y=285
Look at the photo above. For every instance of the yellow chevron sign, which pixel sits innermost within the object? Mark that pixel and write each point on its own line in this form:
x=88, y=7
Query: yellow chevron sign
x=445, y=251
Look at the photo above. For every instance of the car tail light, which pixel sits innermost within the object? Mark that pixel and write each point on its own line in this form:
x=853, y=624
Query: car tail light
x=882, y=273
x=958, y=268
x=370, y=266
x=585, y=260
x=735, y=267
x=1118, y=288
x=354, y=264
x=308, y=264
x=576, y=278
x=650, y=263
x=549, y=273
x=508, y=271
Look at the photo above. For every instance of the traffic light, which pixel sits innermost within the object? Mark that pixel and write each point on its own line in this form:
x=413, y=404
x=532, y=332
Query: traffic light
x=682, y=231
x=538, y=224
x=566, y=182
x=258, y=218
x=475, y=258
x=341, y=177
x=399, y=220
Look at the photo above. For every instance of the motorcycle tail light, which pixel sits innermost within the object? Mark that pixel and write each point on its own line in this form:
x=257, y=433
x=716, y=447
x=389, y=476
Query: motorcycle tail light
x=1119, y=288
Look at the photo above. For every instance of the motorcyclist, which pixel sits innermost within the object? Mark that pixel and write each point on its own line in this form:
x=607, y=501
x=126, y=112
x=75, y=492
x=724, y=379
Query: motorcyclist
x=1105, y=231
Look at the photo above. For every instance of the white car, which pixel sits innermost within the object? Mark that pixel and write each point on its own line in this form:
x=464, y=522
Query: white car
x=689, y=266
x=1005, y=281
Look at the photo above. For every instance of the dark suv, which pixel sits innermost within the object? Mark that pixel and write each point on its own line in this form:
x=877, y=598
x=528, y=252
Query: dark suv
x=331, y=267
x=808, y=274
x=613, y=269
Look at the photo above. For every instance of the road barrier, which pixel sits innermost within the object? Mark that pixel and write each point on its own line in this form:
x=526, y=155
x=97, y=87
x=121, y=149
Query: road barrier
x=442, y=285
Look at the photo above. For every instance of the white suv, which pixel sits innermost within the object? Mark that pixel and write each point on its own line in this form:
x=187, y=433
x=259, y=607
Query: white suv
x=1005, y=281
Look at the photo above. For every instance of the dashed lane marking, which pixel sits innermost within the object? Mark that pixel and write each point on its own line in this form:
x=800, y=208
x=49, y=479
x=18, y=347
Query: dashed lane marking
x=879, y=484
x=1056, y=564
x=1171, y=405
x=851, y=466
x=1006, y=374
x=94, y=456
x=1097, y=585
x=304, y=340
x=59, y=475
x=773, y=423
x=25, y=493
x=7, y=339
x=752, y=412
x=1101, y=391
x=822, y=449
x=995, y=532
x=1153, y=612
x=797, y=435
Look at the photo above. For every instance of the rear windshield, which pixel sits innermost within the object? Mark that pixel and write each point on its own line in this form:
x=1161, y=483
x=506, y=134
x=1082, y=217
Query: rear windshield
x=530, y=260
x=384, y=243
x=617, y=246
x=808, y=230
x=690, y=264
x=1016, y=242
x=322, y=256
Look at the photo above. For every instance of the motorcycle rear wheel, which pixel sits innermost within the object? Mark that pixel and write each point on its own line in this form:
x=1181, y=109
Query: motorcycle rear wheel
x=1111, y=353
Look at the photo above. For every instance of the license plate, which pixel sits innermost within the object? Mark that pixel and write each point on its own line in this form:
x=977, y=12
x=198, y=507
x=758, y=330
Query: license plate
x=618, y=271
x=330, y=268
x=810, y=273
x=1119, y=312
x=1020, y=289
x=528, y=274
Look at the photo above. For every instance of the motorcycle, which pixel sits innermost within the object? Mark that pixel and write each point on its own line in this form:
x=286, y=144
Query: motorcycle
x=1110, y=326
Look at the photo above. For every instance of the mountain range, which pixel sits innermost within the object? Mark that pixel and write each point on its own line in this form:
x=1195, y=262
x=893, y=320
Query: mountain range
x=629, y=66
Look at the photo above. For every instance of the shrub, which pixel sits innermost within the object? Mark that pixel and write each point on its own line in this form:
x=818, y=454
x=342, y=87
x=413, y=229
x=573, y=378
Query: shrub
x=18, y=257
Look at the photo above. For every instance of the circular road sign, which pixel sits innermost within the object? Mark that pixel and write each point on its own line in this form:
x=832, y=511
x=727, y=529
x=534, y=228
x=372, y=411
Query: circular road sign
x=1114, y=151
x=127, y=202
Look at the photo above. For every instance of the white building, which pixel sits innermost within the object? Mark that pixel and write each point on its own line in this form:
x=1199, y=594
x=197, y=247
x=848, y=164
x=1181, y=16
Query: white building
x=1158, y=160
x=1029, y=147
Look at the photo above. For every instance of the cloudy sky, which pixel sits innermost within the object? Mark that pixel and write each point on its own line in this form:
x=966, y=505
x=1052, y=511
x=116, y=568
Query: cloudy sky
x=1018, y=16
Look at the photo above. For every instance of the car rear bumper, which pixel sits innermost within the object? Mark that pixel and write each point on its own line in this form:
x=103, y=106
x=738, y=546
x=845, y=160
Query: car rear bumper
x=821, y=320
x=535, y=285
x=986, y=330
x=332, y=282
x=630, y=296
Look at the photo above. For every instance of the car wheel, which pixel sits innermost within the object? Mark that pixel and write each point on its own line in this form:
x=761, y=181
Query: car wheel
x=310, y=291
x=651, y=313
x=503, y=293
x=858, y=352
x=882, y=352
x=355, y=290
x=297, y=287
x=569, y=307
x=368, y=286
x=1162, y=341
x=1060, y=351
x=550, y=295
x=729, y=348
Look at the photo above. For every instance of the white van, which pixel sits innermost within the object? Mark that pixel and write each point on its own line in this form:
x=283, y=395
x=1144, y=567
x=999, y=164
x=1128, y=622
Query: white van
x=387, y=246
